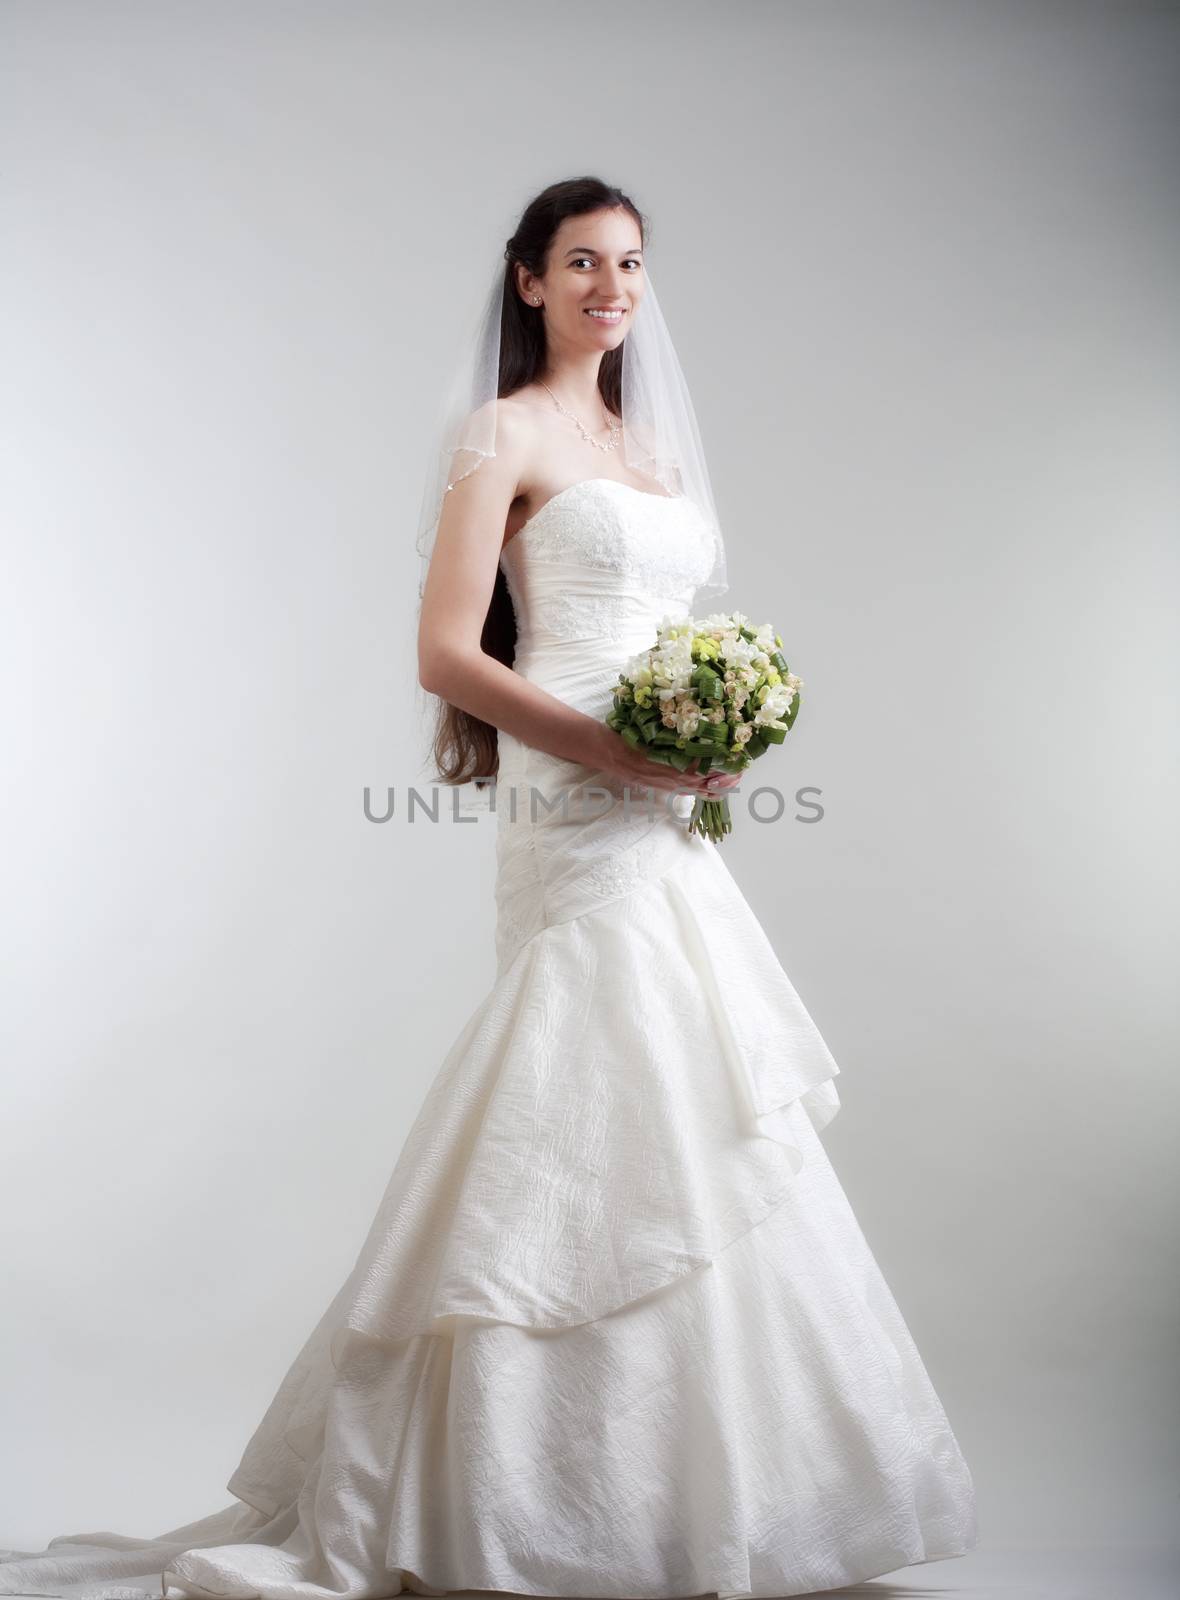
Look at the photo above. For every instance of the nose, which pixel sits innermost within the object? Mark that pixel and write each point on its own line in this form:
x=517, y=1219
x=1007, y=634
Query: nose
x=611, y=289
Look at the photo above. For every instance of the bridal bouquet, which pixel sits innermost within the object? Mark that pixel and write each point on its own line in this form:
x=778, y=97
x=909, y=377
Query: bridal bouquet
x=716, y=688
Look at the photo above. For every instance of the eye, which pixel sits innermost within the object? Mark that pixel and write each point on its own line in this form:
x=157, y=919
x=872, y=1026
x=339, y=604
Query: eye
x=634, y=260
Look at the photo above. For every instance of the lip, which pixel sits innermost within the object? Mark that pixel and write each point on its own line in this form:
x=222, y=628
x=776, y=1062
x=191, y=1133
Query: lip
x=619, y=312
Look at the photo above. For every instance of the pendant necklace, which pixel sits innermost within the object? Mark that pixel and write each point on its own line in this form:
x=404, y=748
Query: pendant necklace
x=613, y=426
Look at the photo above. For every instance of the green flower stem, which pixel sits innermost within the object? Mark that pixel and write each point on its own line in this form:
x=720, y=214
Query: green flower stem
x=710, y=818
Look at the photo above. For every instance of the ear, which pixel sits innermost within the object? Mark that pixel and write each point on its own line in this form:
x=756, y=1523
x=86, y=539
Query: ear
x=527, y=286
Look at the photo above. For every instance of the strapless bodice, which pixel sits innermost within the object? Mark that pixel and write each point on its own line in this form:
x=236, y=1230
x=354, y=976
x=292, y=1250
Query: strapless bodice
x=591, y=576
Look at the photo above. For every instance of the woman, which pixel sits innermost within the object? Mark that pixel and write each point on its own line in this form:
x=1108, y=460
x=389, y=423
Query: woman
x=615, y=1330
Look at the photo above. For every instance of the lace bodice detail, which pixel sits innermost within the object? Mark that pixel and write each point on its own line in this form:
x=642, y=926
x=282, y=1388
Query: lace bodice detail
x=602, y=559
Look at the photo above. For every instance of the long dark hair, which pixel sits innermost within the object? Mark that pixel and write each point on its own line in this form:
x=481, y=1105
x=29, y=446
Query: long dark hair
x=465, y=747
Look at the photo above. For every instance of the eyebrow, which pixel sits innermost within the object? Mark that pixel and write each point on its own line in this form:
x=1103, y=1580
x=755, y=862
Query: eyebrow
x=588, y=250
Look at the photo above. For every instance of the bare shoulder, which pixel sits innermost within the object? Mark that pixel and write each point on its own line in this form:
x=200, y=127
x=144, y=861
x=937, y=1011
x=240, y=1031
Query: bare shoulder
x=516, y=419
x=499, y=438
x=517, y=437
x=535, y=435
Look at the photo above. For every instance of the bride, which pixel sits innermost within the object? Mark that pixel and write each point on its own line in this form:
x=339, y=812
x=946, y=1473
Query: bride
x=614, y=1330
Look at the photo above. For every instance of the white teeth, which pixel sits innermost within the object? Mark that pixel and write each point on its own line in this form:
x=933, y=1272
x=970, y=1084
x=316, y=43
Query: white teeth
x=605, y=316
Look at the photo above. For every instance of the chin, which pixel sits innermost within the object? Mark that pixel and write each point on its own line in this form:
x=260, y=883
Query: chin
x=610, y=337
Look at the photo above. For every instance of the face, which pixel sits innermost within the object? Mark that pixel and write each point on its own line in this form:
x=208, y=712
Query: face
x=595, y=263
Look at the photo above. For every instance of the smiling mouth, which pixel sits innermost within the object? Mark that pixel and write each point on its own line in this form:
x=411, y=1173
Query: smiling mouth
x=605, y=316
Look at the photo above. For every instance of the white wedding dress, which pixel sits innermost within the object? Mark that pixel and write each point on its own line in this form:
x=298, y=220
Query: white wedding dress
x=614, y=1330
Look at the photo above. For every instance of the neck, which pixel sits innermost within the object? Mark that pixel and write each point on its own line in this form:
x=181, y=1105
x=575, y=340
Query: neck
x=574, y=381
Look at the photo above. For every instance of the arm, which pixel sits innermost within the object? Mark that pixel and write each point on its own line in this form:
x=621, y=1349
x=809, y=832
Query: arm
x=455, y=601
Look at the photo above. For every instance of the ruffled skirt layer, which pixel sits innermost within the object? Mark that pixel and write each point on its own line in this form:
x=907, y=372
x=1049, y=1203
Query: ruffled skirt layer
x=763, y=1426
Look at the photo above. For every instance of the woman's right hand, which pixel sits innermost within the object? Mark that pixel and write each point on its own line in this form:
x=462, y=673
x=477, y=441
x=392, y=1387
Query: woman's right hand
x=638, y=771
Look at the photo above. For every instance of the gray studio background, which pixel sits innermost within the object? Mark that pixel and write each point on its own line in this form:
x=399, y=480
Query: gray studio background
x=931, y=249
